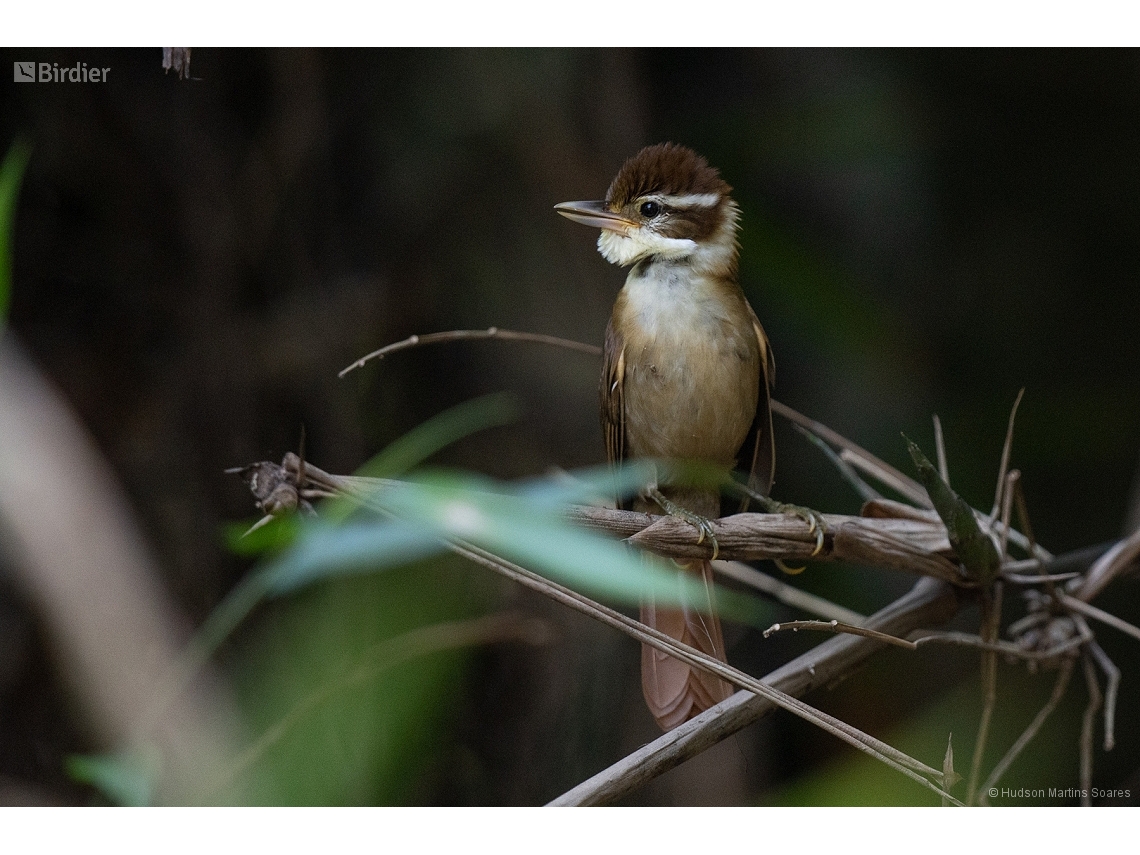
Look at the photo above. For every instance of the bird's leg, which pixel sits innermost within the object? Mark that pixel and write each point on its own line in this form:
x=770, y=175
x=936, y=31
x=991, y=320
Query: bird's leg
x=814, y=519
x=696, y=520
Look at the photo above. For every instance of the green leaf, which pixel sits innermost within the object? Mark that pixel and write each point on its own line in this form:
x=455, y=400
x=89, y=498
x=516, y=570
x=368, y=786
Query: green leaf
x=360, y=547
x=274, y=536
x=11, y=174
x=975, y=550
x=585, y=484
x=440, y=431
x=538, y=538
x=522, y=524
x=364, y=740
x=125, y=779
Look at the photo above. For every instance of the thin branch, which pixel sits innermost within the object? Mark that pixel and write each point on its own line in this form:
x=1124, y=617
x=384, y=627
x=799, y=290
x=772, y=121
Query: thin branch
x=858, y=456
x=1003, y=765
x=928, y=602
x=912, y=546
x=866, y=492
x=940, y=450
x=1112, y=675
x=885, y=474
x=470, y=335
x=787, y=594
x=1086, y=743
x=1011, y=484
x=1005, y=450
x=962, y=639
x=1033, y=579
x=836, y=626
x=957, y=639
x=1109, y=566
x=1098, y=614
x=1074, y=563
x=991, y=619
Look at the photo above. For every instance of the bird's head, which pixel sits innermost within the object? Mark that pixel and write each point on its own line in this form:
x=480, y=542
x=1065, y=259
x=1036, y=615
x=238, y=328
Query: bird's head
x=665, y=203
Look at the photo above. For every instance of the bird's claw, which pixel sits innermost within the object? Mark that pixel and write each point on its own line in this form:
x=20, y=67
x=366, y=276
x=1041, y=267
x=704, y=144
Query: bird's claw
x=701, y=524
x=705, y=528
x=814, y=519
x=815, y=526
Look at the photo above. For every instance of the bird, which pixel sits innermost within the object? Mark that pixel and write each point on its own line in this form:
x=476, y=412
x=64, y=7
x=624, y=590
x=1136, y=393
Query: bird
x=687, y=376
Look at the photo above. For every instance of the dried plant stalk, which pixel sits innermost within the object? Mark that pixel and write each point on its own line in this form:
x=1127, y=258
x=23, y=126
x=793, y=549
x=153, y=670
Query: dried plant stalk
x=929, y=602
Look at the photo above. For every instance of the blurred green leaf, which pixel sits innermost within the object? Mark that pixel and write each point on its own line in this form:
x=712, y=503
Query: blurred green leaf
x=854, y=779
x=975, y=550
x=11, y=174
x=585, y=484
x=274, y=536
x=357, y=741
x=358, y=547
x=440, y=431
x=125, y=779
x=536, y=536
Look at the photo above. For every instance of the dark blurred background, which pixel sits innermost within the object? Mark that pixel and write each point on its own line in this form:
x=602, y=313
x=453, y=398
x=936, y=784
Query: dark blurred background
x=923, y=232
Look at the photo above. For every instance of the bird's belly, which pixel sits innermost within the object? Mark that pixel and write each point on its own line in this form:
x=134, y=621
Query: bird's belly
x=691, y=397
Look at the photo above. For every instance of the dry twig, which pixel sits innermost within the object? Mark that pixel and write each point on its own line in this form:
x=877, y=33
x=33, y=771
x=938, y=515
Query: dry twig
x=1087, y=720
x=472, y=335
x=1019, y=745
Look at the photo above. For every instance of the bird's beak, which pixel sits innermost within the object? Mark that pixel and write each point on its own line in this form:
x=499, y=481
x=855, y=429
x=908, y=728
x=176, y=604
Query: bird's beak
x=595, y=214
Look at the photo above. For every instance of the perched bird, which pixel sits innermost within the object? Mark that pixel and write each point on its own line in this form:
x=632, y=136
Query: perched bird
x=687, y=375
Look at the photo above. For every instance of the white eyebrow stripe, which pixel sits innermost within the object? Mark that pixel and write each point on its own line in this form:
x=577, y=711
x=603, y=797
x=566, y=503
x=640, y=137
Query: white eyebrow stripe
x=692, y=200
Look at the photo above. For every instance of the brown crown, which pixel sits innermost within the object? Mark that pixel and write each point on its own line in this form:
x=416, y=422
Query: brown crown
x=665, y=168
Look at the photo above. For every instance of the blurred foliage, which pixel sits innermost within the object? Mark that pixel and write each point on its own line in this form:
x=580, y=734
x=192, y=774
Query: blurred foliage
x=369, y=741
x=11, y=173
x=1049, y=761
x=125, y=779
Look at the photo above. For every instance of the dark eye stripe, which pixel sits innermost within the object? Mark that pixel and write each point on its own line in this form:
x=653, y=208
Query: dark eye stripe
x=694, y=224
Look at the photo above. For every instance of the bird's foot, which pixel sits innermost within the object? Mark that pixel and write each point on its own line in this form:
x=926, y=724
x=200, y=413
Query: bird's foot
x=814, y=519
x=702, y=525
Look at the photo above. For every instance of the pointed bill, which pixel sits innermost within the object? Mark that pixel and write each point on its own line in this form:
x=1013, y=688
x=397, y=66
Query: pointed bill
x=595, y=214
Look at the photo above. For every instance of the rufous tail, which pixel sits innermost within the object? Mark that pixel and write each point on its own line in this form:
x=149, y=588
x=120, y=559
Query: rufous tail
x=674, y=690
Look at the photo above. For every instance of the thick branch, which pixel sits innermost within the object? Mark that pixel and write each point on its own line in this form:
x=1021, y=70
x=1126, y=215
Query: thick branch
x=913, y=546
x=930, y=602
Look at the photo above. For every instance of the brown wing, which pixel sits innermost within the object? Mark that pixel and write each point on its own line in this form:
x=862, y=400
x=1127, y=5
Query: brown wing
x=759, y=445
x=612, y=400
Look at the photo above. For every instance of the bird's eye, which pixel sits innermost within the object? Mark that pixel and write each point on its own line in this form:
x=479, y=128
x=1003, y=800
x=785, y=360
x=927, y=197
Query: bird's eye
x=649, y=210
